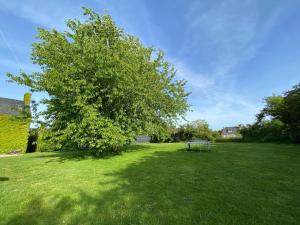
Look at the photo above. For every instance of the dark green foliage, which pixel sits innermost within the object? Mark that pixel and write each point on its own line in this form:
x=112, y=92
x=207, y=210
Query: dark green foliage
x=104, y=86
x=14, y=133
x=265, y=131
x=278, y=121
x=195, y=130
x=198, y=129
x=32, y=139
x=233, y=139
x=44, y=142
x=291, y=113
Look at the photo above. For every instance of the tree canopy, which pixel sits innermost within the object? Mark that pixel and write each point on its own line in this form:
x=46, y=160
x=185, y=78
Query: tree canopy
x=279, y=120
x=104, y=86
x=198, y=129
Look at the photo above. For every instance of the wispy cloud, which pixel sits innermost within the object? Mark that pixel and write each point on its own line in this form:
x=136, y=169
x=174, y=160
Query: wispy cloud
x=194, y=79
x=228, y=33
x=218, y=38
x=134, y=17
x=221, y=108
x=13, y=66
x=223, y=36
x=51, y=14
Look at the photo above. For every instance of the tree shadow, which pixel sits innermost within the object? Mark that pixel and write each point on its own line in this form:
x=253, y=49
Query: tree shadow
x=62, y=156
x=36, y=213
x=4, y=178
x=163, y=188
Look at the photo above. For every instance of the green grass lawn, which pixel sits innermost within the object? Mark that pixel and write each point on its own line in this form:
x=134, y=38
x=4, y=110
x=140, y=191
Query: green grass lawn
x=234, y=184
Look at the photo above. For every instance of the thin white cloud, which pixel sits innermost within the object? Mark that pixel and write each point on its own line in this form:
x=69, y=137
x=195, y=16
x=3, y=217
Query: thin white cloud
x=194, y=79
x=134, y=17
x=13, y=66
x=225, y=35
x=225, y=112
x=50, y=14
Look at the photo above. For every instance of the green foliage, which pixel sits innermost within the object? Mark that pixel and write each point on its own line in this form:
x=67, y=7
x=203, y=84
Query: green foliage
x=163, y=134
x=278, y=121
x=198, y=129
x=104, y=86
x=201, y=130
x=42, y=144
x=267, y=131
x=291, y=113
x=27, y=99
x=14, y=133
x=232, y=139
x=26, y=111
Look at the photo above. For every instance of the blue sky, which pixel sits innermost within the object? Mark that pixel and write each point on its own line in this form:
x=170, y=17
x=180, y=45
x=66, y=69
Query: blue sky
x=232, y=53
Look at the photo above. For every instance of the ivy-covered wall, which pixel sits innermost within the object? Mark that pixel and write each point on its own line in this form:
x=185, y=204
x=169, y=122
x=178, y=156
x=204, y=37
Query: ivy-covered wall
x=14, y=133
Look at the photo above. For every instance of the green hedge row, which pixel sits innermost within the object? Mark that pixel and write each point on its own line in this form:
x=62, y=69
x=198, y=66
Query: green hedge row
x=233, y=139
x=14, y=133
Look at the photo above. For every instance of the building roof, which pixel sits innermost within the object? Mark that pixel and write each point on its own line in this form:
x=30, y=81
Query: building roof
x=228, y=130
x=234, y=128
x=10, y=106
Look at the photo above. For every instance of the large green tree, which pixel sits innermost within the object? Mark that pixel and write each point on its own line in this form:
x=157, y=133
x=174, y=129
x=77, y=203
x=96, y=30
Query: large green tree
x=291, y=112
x=279, y=120
x=104, y=86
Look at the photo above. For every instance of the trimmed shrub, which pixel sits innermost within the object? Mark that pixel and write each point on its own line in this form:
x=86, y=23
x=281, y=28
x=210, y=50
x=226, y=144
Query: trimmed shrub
x=27, y=98
x=14, y=133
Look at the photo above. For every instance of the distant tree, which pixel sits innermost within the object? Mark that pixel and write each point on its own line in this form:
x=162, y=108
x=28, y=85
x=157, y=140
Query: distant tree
x=201, y=130
x=274, y=106
x=267, y=131
x=198, y=129
x=291, y=112
x=279, y=120
x=104, y=86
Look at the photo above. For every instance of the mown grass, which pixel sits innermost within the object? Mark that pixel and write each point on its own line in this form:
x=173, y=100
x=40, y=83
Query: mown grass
x=234, y=184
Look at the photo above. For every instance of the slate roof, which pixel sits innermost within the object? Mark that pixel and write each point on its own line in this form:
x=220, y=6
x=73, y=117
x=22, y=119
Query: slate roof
x=229, y=130
x=10, y=106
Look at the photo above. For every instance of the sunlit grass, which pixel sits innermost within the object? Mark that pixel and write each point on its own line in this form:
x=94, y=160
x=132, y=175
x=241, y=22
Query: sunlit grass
x=235, y=183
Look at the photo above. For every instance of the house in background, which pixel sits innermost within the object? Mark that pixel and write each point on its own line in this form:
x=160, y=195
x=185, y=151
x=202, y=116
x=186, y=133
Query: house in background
x=230, y=132
x=11, y=106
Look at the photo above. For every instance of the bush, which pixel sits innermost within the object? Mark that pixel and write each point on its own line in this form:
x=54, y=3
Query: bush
x=43, y=143
x=14, y=133
x=265, y=131
x=198, y=129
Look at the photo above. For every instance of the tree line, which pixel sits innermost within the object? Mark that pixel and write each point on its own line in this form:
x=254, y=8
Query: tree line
x=194, y=130
x=278, y=121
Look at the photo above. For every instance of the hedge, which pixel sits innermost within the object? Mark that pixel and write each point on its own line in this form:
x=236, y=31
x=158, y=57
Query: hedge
x=41, y=144
x=232, y=139
x=14, y=133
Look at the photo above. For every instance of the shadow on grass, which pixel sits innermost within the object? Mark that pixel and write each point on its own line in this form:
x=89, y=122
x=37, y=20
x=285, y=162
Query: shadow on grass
x=62, y=156
x=147, y=192
x=165, y=188
x=4, y=178
x=200, y=150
